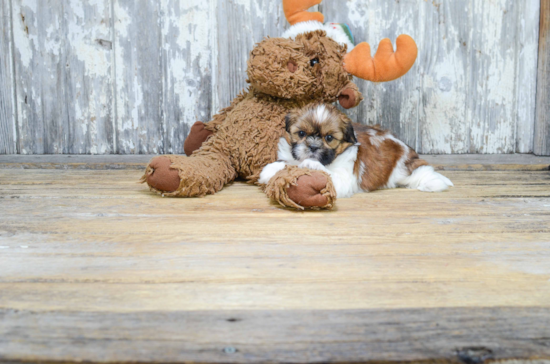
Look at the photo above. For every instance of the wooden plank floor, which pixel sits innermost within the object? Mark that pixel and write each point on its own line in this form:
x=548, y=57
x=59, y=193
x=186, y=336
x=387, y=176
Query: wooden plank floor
x=94, y=267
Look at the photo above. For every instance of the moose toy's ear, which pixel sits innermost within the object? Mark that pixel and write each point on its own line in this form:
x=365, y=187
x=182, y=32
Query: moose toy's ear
x=350, y=96
x=296, y=11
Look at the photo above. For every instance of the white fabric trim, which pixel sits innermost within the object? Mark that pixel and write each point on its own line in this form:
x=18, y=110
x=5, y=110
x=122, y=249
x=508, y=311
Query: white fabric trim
x=338, y=34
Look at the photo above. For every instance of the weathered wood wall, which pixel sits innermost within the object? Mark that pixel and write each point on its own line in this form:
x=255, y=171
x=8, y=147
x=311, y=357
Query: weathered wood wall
x=115, y=76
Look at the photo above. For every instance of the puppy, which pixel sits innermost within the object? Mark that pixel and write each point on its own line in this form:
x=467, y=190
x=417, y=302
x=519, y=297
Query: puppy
x=357, y=157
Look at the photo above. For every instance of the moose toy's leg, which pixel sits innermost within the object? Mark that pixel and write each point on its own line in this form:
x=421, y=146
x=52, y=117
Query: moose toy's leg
x=188, y=176
x=197, y=135
x=302, y=189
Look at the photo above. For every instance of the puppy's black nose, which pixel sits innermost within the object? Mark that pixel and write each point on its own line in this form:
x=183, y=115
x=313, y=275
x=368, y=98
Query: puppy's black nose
x=313, y=148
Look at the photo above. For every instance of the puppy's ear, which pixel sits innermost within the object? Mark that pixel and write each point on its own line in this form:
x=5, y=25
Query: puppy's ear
x=288, y=122
x=349, y=133
x=291, y=118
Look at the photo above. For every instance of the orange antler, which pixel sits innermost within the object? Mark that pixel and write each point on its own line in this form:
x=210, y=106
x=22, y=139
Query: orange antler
x=296, y=11
x=386, y=65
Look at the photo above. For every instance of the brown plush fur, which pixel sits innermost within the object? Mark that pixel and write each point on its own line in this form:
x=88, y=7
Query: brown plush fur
x=245, y=134
x=269, y=73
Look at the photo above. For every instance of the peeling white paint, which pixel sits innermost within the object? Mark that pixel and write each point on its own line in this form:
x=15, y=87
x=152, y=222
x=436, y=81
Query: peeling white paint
x=23, y=41
x=187, y=49
x=122, y=20
x=8, y=117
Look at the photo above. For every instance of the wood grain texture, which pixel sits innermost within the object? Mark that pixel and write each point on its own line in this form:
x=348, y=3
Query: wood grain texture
x=102, y=270
x=64, y=90
x=542, y=122
x=455, y=335
x=490, y=103
x=526, y=88
x=456, y=162
x=444, y=64
x=187, y=51
x=138, y=59
x=102, y=242
x=8, y=126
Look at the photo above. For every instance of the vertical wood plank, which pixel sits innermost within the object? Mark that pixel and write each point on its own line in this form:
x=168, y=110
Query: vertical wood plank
x=492, y=74
x=444, y=66
x=63, y=60
x=8, y=133
x=394, y=105
x=39, y=66
x=88, y=80
x=187, y=45
x=138, y=62
x=528, y=15
x=240, y=25
x=542, y=123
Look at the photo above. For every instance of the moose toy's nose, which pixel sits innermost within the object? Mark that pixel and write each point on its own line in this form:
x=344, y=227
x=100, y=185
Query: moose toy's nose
x=292, y=67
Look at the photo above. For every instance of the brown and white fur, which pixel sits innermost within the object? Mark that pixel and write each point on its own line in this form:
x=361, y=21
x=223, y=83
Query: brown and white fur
x=357, y=157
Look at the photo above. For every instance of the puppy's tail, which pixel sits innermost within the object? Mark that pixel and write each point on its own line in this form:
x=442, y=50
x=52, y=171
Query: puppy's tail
x=425, y=179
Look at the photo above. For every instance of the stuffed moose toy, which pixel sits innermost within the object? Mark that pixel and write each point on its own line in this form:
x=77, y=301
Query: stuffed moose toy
x=312, y=62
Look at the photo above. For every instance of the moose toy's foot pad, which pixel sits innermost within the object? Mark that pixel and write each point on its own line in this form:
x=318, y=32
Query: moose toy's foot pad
x=160, y=176
x=302, y=189
x=310, y=191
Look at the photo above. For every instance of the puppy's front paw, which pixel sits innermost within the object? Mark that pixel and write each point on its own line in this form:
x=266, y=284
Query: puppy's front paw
x=269, y=171
x=312, y=164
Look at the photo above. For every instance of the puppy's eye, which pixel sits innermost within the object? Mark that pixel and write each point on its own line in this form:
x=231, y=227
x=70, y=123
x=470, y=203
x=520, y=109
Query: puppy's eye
x=329, y=138
x=314, y=61
x=301, y=134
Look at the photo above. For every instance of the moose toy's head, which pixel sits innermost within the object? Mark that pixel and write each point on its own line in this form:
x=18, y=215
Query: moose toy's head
x=315, y=61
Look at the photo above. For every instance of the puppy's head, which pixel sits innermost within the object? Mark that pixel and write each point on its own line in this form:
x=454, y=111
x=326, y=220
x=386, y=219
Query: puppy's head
x=319, y=132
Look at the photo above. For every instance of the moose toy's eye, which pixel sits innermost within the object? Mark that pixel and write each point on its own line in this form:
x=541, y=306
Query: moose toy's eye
x=301, y=133
x=329, y=138
x=314, y=61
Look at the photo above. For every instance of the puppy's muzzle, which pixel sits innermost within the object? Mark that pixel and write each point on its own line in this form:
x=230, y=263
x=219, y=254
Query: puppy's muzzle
x=314, y=143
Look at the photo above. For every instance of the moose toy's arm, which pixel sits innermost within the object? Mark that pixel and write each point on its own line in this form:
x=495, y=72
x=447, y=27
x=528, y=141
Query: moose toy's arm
x=197, y=135
x=301, y=189
x=200, y=132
